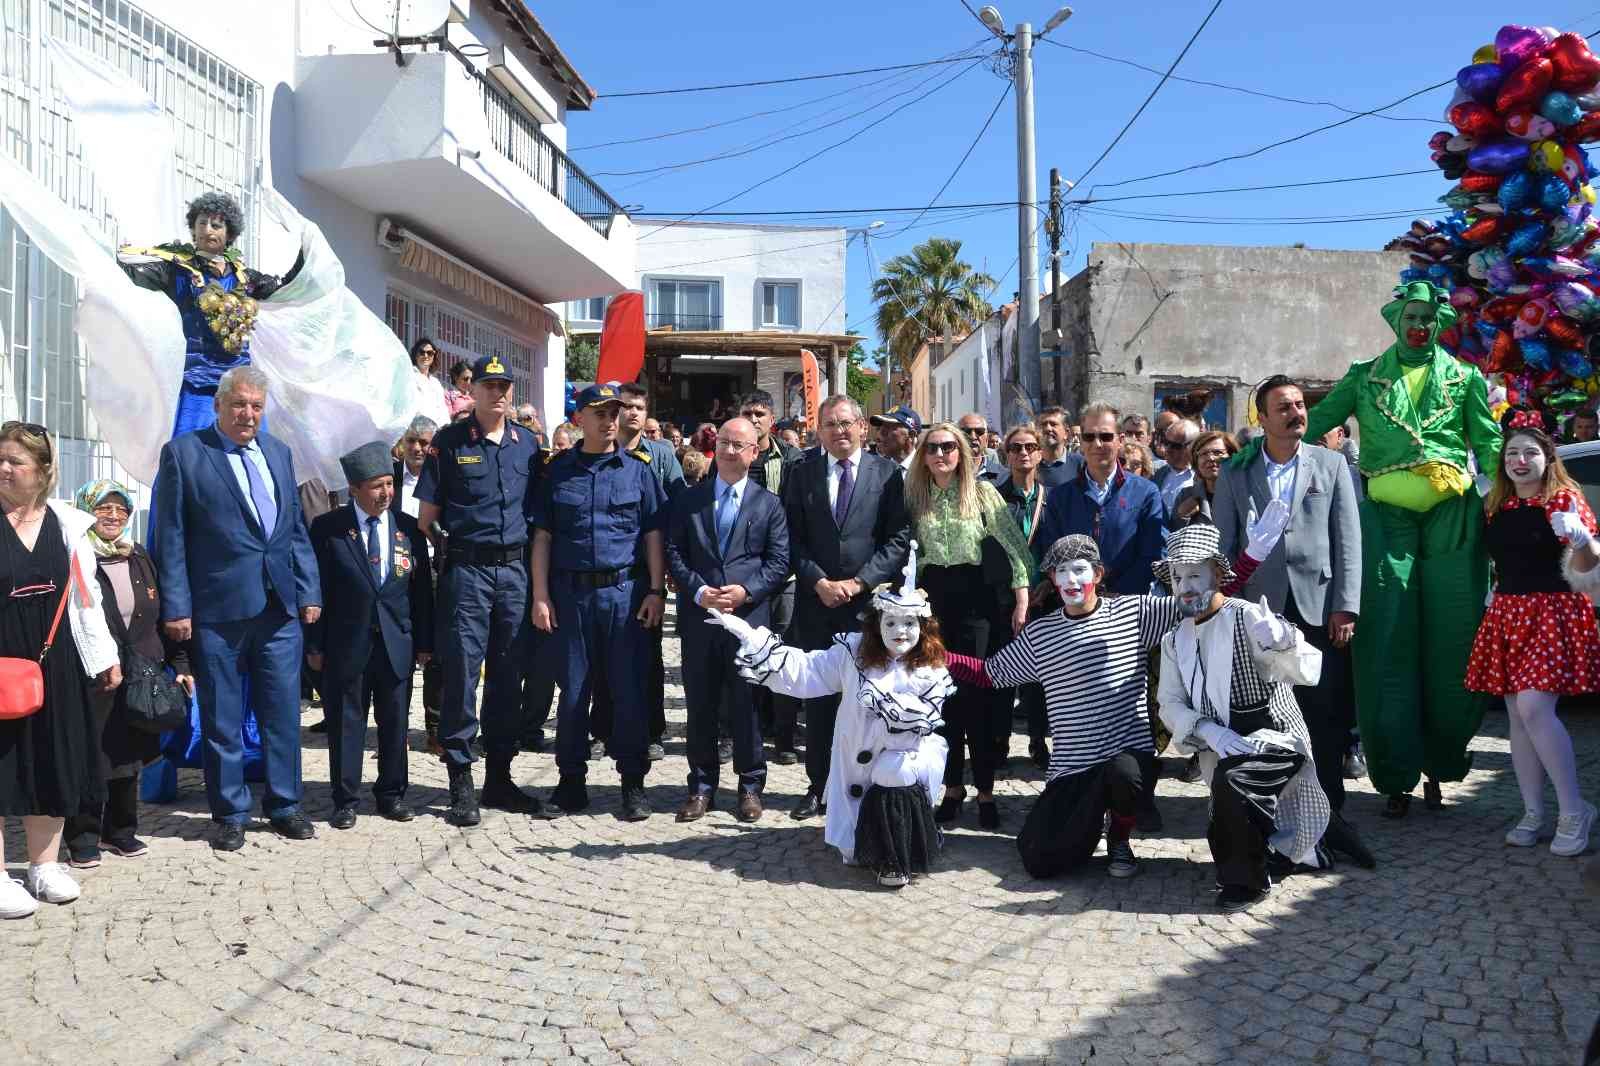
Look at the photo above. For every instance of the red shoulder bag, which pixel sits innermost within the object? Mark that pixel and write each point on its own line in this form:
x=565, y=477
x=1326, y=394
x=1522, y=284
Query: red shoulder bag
x=22, y=680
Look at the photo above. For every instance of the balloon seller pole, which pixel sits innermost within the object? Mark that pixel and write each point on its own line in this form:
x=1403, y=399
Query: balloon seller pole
x=1027, y=225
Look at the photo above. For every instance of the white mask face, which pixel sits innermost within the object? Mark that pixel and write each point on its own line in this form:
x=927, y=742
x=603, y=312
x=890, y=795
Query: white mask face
x=900, y=631
x=1075, y=581
x=1194, y=584
x=1524, y=461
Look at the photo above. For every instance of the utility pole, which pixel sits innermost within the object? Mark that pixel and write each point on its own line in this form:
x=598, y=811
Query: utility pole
x=1053, y=229
x=1027, y=224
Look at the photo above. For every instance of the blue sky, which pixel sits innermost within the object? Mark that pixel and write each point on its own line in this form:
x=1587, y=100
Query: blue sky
x=1358, y=55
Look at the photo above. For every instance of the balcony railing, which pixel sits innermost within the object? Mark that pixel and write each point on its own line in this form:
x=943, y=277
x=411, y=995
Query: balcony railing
x=516, y=135
x=678, y=320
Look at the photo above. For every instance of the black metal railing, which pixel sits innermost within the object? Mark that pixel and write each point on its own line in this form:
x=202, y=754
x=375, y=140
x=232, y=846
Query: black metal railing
x=516, y=135
x=677, y=320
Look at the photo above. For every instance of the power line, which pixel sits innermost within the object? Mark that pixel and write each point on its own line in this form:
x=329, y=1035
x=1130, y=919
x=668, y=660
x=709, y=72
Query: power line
x=1231, y=88
x=1328, y=220
x=1251, y=188
x=1004, y=95
x=1164, y=78
x=775, y=81
x=824, y=150
x=817, y=211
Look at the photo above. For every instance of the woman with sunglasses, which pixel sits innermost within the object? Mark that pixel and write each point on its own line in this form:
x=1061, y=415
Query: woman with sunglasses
x=976, y=569
x=47, y=758
x=1024, y=495
x=430, y=390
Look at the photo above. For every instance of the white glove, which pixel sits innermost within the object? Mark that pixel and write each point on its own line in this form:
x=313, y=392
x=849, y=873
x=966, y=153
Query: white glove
x=1568, y=526
x=1269, y=631
x=742, y=630
x=1222, y=740
x=1266, y=531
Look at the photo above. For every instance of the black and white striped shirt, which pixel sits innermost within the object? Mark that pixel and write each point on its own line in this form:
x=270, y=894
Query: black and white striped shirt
x=1093, y=672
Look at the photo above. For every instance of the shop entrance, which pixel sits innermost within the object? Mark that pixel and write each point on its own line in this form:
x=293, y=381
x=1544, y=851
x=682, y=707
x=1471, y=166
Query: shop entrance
x=689, y=390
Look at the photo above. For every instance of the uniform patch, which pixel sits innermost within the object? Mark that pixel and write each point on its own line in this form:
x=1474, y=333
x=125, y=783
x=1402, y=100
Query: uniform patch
x=466, y=460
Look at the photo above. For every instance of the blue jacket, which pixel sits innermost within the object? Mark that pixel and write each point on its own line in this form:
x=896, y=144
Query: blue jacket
x=353, y=604
x=213, y=562
x=758, y=551
x=1130, y=527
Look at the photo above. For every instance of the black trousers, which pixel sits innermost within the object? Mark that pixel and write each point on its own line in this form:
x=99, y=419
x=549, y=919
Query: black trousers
x=1244, y=799
x=715, y=693
x=432, y=687
x=964, y=605
x=347, y=726
x=772, y=709
x=655, y=694
x=1064, y=825
x=119, y=816
x=1328, y=706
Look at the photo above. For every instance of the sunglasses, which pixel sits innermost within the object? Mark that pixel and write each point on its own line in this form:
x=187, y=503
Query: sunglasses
x=1099, y=438
x=974, y=431
x=1022, y=447
x=941, y=447
x=1179, y=445
x=29, y=427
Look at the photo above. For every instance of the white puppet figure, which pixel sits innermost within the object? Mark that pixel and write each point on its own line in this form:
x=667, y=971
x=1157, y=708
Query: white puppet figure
x=887, y=765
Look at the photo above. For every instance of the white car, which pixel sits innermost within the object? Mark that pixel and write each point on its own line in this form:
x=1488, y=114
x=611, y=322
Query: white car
x=1583, y=463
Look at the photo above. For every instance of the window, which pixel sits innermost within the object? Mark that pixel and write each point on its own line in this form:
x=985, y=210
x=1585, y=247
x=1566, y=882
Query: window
x=590, y=310
x=780, y=305
x=462, y=338
x=683, y=304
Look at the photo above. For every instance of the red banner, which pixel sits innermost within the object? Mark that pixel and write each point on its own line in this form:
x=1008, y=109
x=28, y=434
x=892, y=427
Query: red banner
x=622, y=339
x=811, y=380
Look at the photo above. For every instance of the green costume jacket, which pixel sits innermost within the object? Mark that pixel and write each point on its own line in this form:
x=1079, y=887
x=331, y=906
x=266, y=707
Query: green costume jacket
x=1452, y=417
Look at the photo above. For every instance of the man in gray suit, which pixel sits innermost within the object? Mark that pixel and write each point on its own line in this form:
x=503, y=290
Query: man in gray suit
x=1313, y=576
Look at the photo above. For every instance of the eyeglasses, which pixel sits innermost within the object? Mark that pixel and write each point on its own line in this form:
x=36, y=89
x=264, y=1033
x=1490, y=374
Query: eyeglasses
x=734, y=445
x=1180, y=445
x=112, y=510
x=974, y=431
x=941, y=447
x=1218, y=454
x=1022, y=447
x=838, y=425
x=29, y=427
x=1099, y=438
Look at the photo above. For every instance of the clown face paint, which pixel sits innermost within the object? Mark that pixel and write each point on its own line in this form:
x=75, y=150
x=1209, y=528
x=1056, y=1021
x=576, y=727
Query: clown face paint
x=1524, y=462
x=1075, y=581
x=1416, y=323
x=1194, y=584
x=900, y=631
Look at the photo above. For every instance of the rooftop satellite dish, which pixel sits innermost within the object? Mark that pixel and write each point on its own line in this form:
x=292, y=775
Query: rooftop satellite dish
x=403, y=22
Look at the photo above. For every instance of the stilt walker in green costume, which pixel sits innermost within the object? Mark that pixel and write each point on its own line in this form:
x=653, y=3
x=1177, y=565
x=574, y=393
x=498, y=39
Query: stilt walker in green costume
x=1421, y=411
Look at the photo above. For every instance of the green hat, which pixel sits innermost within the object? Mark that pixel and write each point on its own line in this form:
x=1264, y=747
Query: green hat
x=1420, y=292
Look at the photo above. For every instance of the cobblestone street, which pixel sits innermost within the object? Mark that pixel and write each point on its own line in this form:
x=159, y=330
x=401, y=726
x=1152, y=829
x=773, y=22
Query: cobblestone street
x=591, y=939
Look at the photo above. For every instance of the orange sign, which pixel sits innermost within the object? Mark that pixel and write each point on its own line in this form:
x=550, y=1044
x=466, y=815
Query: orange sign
x=622, y=339
x=811, y=380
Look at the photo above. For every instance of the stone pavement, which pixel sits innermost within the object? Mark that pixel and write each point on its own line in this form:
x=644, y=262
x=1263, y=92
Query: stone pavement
x=596, y=940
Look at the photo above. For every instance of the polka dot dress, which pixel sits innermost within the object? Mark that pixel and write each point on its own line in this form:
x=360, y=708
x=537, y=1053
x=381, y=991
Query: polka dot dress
x=1537, y=633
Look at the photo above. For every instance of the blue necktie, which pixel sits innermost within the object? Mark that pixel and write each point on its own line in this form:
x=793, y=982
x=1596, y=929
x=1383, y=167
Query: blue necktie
x=266, y=510
x=374, y=550
x=727, y=513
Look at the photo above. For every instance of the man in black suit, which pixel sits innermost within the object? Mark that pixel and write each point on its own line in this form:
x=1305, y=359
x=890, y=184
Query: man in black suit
x=728, y=548
x=407, y=471
x=847, y=534
x=376, y=623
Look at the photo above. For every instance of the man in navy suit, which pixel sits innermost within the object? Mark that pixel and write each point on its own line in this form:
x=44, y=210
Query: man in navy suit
x=376, y=624
x=237, y=574
x=728, y=548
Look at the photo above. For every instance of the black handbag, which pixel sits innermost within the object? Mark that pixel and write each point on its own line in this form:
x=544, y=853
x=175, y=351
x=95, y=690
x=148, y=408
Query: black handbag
x=154, y=702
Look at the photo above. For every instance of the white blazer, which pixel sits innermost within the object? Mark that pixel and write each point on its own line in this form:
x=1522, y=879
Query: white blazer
x=97, y=648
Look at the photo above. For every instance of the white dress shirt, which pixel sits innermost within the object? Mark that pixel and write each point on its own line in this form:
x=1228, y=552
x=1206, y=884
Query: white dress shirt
x=258, y=459
x=722, y=497
x=1175, y=483
x=833, y=476
x=408, y=491
x=386, y=549
x=1281, y=476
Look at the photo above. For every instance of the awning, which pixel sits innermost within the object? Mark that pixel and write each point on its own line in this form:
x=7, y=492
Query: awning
x=434, y=262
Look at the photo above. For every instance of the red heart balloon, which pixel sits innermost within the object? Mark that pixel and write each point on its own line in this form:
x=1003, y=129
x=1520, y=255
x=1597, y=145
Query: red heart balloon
x=1503, y=309
x=1475, y=119
x=1576, y=67
x=1474, y=182
x=1483, y=231
x=1586, y=131
x=1525, y=87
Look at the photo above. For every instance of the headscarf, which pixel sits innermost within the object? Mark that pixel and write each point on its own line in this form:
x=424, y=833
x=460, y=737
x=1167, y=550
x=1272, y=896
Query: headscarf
x=92, y=495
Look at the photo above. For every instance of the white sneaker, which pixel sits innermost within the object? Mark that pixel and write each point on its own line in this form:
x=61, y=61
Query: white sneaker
x=14, y=899
x=1525, y=834
x=1572, y=832
x=50, y=882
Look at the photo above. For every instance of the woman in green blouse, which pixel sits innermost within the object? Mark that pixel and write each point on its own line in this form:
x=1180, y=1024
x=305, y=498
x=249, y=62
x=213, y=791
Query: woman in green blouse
x=974, y=567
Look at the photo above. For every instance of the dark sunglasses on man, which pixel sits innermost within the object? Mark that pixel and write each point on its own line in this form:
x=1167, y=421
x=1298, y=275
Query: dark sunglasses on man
x=1099, y=438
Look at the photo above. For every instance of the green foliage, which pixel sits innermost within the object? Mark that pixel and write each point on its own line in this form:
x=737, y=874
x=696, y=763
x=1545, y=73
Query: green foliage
x=929, y=292
x=583, y=358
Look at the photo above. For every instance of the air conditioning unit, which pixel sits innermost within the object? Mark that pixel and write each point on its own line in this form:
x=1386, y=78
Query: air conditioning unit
x=513, y=75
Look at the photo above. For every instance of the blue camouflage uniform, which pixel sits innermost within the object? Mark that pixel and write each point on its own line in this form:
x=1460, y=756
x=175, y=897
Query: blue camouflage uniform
x=484, y=492
x=597, y=509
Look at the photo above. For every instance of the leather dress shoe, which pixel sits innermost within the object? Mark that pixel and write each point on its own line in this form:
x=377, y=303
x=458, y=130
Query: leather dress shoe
x=786, y=757
x=398, y=811
x=695, y=807
x=230, y=837
x=635, y=804
x=297, y=826
x=749, y=807
x=343, y=817
x=571, y=795
x=809, y=807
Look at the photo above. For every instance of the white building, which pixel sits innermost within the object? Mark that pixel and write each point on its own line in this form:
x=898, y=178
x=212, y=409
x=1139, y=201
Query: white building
x=441, y=184
x=737, y=278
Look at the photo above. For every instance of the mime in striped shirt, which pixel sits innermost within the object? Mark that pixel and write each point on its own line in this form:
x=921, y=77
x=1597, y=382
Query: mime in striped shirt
x=1090, y=659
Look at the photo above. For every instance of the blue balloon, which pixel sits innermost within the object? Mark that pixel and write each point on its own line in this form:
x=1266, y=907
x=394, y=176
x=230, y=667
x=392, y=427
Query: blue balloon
x=1527, y=240
x=1561, y=109
x=1517, y=191
x=1553, y=193
x=1481, y=81
x=1573, y=364
x=1535, y=352
x=1410, y=274
x=1499, y=157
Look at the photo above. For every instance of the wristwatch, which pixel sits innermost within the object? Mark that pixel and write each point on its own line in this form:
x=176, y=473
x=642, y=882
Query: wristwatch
x=657, y=592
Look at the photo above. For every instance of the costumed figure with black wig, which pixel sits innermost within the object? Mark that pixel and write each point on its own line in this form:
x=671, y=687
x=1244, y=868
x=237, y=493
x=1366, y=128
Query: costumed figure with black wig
x=1228, y=673
x=887, y=764
x=216, y=296
x=1538, y=641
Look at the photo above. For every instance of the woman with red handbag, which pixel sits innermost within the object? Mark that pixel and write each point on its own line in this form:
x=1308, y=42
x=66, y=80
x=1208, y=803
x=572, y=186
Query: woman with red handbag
x=52, y=629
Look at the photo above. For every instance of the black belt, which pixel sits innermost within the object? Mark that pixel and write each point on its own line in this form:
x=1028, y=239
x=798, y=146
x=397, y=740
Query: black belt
x=595, y=579
x=486, y=554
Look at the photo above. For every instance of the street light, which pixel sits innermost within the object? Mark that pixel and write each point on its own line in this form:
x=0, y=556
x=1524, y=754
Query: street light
x=990, y=17
x=1055, y=20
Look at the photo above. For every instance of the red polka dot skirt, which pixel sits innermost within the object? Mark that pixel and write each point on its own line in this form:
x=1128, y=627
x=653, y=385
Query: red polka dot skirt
x=1543, y=641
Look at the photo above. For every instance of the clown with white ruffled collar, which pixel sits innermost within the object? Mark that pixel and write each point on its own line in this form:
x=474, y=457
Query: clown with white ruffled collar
x=887, y=764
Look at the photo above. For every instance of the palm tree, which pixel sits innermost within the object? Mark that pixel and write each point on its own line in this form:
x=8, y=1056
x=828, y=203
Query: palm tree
x=927, y=294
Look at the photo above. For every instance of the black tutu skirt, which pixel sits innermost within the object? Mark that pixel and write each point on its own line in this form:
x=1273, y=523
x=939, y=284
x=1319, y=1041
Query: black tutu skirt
x=895, y=831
